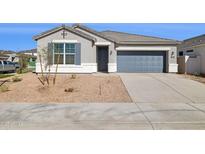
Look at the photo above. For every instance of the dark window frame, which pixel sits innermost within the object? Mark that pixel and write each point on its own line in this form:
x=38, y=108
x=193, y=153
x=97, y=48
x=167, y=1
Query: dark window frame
x=181, y=53
x=68, y=49
x=188, y=51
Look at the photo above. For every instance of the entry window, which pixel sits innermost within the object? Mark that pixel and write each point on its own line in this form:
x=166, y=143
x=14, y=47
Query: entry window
x=64, y=53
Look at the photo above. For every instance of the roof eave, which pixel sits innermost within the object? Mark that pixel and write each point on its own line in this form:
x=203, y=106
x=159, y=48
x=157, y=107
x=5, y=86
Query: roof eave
x=148, y=43
x=93, y=32
x=41, y=35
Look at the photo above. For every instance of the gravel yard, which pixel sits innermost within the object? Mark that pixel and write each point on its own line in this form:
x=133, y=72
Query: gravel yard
x=86, y=88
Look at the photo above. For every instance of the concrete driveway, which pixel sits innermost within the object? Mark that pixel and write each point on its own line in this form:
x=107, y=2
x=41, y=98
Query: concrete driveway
x=163, y=88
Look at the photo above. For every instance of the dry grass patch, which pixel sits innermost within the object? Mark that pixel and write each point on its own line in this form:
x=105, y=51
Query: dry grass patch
x=68, y=88
x=4, y=88
x=194, y=77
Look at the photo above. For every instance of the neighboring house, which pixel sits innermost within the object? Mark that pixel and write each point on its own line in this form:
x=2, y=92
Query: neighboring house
x=32, y=52
x=8, y=56
x=4, y=57
x=192, y=51
x=84, y=50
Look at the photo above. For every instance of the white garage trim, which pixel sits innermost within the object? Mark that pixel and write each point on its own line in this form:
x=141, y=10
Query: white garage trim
x=112, y=67
x=173, y=68
x=151, y=48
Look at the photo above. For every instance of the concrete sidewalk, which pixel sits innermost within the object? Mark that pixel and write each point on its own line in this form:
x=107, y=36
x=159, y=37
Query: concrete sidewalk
x=131, y=116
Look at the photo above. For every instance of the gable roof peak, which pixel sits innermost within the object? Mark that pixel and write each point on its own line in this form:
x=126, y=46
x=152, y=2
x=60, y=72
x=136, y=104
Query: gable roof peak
x=63, y=27
x=92, y=31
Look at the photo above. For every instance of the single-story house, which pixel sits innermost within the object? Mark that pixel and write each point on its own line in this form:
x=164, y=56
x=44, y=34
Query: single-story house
x=79, y=49
x=191, y=55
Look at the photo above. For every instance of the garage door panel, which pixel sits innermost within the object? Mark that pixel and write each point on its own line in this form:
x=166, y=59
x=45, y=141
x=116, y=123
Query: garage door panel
x=141, y=61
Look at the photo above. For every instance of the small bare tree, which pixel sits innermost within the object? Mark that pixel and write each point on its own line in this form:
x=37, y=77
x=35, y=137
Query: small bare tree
x=46, y=57
x=58, y=60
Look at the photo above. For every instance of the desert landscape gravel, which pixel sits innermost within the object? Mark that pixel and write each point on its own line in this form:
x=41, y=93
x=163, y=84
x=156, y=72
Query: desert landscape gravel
x=85, y=88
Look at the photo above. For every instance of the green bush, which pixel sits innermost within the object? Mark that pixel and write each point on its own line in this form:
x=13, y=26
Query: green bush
x=16, y=79
x=4, y=88
x=22, y=70
x=32, y=63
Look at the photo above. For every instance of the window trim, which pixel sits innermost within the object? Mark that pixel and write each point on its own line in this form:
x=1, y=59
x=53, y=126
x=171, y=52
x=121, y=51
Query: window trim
x=64, y=53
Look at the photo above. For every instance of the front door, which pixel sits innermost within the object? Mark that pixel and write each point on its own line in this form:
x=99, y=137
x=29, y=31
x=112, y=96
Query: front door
x=102, y=59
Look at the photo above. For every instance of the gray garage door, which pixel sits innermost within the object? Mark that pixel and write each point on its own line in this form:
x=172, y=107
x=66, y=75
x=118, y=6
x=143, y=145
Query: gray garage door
x=141, y=61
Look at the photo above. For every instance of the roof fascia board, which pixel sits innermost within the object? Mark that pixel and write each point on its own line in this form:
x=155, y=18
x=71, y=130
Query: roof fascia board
x=143, y=48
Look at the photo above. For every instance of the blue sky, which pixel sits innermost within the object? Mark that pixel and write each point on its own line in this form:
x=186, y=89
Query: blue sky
x=19, y=36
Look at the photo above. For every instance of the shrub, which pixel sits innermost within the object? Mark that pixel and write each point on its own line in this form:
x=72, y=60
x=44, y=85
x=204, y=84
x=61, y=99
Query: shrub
x=196, y=74
x=69, y=90
x=16, y=79
x=73, y=76
x=4, y=88
x=26, y=70
x=21, y=70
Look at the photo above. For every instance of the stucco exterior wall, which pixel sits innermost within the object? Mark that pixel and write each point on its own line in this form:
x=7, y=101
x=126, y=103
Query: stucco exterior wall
x=88, y=54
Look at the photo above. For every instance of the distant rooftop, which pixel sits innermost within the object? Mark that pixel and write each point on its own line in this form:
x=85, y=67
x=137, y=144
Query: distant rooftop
x=197, y=40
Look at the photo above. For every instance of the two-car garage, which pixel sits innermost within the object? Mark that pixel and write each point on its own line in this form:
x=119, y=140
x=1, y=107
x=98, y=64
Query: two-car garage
x=141, y=61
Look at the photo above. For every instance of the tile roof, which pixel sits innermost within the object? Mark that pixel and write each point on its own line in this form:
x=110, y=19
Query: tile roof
x=127, y=38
